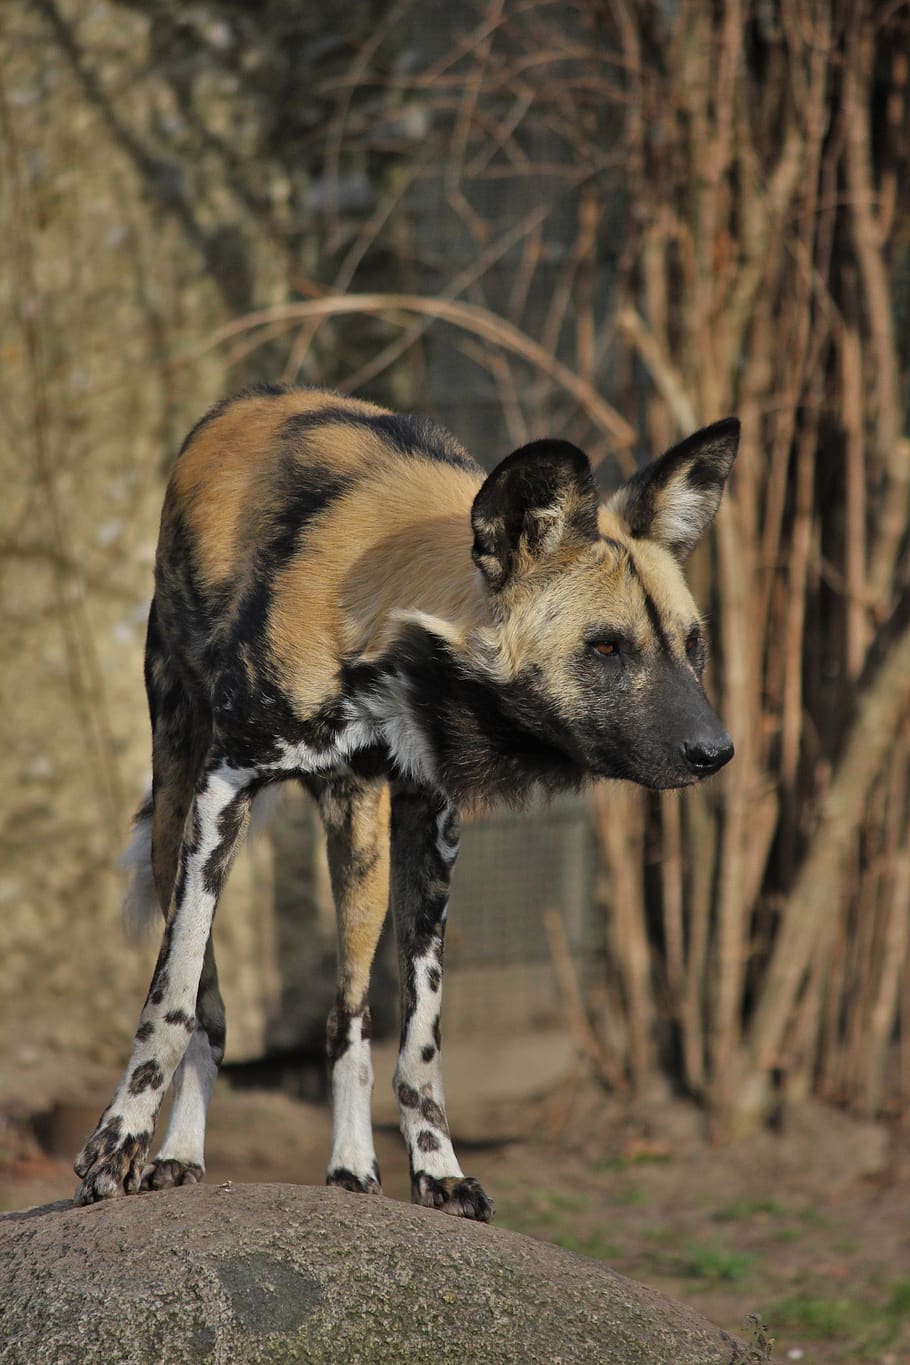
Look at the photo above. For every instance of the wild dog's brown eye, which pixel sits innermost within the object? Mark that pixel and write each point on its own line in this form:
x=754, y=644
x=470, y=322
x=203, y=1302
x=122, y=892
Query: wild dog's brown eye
x=693, y=642
x=606, y=647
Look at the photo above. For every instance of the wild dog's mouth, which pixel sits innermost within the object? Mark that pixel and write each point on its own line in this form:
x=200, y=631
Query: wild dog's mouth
x=691, y=763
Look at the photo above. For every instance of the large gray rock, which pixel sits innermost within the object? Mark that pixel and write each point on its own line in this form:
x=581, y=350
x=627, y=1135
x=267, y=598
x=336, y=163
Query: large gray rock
x=277, y=1273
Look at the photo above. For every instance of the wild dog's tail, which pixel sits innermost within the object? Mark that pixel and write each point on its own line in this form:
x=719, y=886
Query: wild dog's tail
x=141, y=907
x=181, y=739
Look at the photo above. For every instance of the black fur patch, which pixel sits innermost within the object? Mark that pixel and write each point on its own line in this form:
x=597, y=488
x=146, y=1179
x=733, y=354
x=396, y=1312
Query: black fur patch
x=457, y=1194
x=145, y=1031
x=230, y=823
x=338, y=1030
x=657, y=625
x=427, y=1053
x=255, y=716
x=357, y=1184
x=420, y=881
x=109, y=1137
x=146, y=1077
x=308, y=491
x=427, y=1141
x=431, y=1111
x=407, y=433
x=101, y=1143
x=209, y=1004
x=408, y=1096
x=160, y=985
x=337, y=1035
x=182, y=1018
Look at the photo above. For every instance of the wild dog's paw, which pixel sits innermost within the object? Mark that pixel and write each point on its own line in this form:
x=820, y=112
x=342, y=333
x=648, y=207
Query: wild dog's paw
x=456, y=1194
x=111, y=1162
x=165, y=1172
x=358, y=1184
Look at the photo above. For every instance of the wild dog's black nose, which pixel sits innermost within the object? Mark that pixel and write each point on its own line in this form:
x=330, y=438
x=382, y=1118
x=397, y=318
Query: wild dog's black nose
x=706, y=756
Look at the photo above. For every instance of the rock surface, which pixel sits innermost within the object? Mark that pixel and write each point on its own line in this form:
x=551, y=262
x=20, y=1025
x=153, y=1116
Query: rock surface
x=275, y=1273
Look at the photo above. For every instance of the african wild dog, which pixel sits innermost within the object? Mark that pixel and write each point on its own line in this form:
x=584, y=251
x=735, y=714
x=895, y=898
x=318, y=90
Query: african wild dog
x=342, y=597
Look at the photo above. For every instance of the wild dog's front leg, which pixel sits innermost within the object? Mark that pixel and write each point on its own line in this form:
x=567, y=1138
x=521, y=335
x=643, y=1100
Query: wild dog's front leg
x=356, y=818
x=424, y=848
x=112, y=1160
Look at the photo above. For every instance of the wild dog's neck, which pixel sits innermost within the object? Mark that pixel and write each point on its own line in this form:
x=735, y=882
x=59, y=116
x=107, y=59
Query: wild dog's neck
x=448, y=723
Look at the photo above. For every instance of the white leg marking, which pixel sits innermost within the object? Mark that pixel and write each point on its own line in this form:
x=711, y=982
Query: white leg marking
x=168, y=1017
x=418, y=1078
x=352, y=1089
x=194, y=1081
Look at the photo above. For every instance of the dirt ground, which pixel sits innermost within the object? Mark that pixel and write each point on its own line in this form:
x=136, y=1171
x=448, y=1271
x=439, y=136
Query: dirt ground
x=803, y=1236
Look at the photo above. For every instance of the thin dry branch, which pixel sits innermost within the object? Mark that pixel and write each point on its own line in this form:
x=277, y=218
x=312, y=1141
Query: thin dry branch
x=620, y=828
x=589, y=1045
x=892, y=451
x=86, y=674
x=387, y=356
x=881, y=711
x=667, y=378
x=470, y=318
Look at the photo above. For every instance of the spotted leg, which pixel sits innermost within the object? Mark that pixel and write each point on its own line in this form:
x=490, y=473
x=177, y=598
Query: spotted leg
x=424, y=848
x=356, y=818
x=113, y=1158
x=181, y=1159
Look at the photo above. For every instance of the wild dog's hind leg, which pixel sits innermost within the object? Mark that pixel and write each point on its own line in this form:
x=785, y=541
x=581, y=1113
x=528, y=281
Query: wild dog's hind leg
x=112, y=1160
x=355, y=813
x=181, y=1159
x=181, y=737
x=424, y=849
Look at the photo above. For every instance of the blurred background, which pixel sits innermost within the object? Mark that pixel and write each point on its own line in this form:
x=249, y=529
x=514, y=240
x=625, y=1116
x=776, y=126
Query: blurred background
x=606, y=220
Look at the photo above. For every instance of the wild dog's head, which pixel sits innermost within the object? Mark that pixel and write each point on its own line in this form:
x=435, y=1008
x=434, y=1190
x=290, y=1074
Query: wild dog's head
x=599, y=646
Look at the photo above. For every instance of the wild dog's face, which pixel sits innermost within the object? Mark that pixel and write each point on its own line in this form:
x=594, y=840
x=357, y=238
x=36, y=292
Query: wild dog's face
x=597, y=633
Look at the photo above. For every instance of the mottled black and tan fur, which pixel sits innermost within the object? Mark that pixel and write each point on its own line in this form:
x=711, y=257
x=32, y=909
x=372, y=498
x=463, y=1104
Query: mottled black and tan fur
x=343, y=598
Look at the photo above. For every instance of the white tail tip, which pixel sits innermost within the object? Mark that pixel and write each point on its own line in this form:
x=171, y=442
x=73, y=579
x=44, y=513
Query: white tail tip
x=141, y=910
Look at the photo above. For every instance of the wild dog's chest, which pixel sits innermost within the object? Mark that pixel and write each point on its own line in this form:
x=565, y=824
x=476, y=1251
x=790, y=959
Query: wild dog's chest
x=369, y=726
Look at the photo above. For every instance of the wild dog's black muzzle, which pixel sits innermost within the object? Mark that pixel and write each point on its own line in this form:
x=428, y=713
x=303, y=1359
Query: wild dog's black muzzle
x=707, y=754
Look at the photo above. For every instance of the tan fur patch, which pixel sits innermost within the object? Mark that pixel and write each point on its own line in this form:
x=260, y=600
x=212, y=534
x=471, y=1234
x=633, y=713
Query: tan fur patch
x=224, y=482
x=337, y=597
x=358, y=848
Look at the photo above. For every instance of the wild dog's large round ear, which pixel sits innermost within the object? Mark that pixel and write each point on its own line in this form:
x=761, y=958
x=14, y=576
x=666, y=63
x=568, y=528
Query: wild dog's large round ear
x=537, y=500
x=675, y=499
